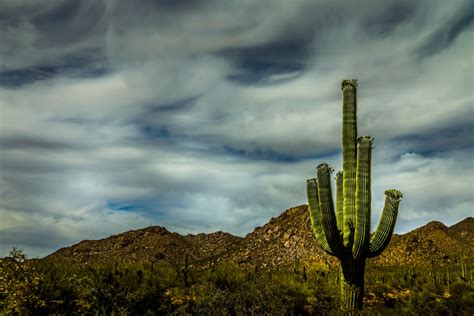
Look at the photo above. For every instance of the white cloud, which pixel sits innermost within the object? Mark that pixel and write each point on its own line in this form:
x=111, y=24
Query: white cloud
x=434, y=187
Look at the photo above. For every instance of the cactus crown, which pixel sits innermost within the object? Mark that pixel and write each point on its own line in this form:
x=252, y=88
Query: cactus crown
x=365, y=139
x=395, y=194
x=325, y=167
x=349, y=82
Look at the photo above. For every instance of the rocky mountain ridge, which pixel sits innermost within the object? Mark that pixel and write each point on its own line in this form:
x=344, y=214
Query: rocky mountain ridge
x=283, y=242
x=152, y=244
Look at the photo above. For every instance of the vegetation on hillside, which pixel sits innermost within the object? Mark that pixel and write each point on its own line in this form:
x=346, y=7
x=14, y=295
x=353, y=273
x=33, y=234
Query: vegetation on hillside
x=41, y=287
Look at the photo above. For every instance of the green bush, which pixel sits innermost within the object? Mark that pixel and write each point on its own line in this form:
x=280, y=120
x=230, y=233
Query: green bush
x=38, y=287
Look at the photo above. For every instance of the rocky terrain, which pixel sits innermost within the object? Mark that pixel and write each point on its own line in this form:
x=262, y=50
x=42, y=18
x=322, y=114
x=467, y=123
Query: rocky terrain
x=464, y=232
x=283, y=242
x=152, y=244
x=433, y=242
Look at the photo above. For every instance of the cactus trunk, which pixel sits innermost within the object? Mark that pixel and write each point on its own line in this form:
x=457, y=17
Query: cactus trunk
x=344, y=232
x=352, y=284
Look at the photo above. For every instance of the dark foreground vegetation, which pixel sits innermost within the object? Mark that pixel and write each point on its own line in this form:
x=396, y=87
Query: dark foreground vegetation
x=35, y=287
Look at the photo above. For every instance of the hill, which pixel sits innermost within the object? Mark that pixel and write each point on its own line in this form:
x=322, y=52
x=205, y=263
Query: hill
x=283, y=242
x=151, y=244
x=428, y=244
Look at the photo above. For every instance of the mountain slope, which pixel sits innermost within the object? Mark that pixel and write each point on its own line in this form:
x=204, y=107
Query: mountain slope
x=283, y=242
x=464, y=233
x=424, y=245
x=151, y=244
x=288, y=239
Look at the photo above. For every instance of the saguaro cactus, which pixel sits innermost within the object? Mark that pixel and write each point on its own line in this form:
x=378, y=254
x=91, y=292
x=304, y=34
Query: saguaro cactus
x=345, y=231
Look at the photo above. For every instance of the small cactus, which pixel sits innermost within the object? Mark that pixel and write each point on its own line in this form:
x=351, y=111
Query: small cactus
x=344, y=232
x=185, y=270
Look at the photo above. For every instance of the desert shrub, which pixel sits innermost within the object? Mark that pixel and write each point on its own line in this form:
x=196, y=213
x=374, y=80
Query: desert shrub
x=61, y=288
x=129, y=289
x=461, y=299
x=43, y=288
x=20, y=282
x=231, y=290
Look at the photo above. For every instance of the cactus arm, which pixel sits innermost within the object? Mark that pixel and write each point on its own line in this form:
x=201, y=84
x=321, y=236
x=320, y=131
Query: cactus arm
x=383, y=233
x=363, y=197
x=349, y=135
x=315, y=215
x=328, y=216
x=339, y=201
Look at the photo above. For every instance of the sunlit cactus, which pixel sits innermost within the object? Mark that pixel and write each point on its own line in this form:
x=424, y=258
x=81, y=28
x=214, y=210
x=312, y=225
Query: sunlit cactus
x=344, y=232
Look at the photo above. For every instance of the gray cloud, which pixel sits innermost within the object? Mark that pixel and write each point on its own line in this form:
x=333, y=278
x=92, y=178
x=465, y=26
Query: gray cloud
x=446, y=33
x=59, y=33
x=210, y=115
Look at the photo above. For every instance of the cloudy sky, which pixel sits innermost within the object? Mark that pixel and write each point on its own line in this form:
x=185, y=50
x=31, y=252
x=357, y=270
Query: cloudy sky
x=206, y=115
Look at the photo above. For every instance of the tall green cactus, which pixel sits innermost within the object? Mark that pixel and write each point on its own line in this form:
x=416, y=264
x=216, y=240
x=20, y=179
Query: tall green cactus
x=345, y=231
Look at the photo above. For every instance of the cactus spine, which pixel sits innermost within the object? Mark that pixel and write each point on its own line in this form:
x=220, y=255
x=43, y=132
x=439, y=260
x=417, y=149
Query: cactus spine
x=344, y=232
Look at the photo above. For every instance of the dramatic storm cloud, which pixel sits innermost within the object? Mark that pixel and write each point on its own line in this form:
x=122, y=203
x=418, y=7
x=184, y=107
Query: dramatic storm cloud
x=210, y=115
